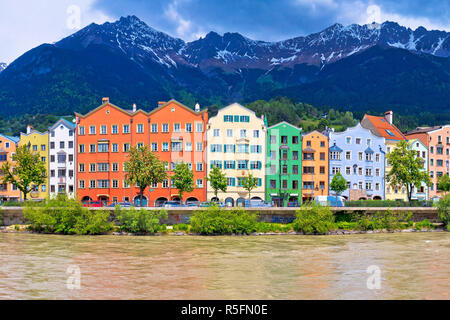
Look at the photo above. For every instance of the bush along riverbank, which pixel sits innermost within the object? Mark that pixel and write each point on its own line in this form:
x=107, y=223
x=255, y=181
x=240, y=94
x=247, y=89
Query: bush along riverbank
x=65, y=216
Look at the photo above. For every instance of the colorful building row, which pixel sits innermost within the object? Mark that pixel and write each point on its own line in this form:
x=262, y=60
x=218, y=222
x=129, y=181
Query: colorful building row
x=86, y=158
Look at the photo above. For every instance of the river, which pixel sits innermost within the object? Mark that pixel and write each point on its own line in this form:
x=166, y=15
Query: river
x=410, y=265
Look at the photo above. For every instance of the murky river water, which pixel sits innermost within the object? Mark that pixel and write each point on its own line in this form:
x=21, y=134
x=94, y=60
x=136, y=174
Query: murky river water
x=413, y=266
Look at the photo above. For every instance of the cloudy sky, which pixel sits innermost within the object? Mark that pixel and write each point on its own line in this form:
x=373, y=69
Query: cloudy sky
x=25, y=24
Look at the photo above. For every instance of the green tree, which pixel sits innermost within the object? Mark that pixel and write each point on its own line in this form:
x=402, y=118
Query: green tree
x=444, y=183
x=217, y=180
x=143, y=168
x=249, y=183
x=338, y=184
x=28, y=169
x=406, y=169
x=183, y=179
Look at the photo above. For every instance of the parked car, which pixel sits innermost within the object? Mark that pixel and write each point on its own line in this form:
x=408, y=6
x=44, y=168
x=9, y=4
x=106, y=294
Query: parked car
x=257, y=204
x=122, y=204
x=330, y=201
x=173, y=204
x=192, y=204
x=220, y=204
x=293, y=204
x=92, y=204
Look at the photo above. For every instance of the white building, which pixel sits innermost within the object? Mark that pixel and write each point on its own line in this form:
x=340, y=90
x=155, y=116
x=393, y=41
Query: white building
x=237, y=145
x=62, y=154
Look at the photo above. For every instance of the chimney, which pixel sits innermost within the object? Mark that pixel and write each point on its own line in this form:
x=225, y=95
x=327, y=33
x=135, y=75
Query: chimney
x=389, y=115
x=160, y=103
x=197, y=107
x=105, y=100
x=134, y=107
x=29, y=128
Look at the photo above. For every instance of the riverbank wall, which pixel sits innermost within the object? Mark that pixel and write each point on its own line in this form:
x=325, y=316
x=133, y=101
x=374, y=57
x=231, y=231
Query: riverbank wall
x=14, y=215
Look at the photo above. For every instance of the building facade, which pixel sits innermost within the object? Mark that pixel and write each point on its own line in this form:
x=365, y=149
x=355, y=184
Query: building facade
x=237, y=145
x=314, y=166
x=384, y=127
x=420, y=193
x=8, y=145
x=284, y=164
x=359, y=156
x=62, y=154
x=174, y=132
x=37, y=142
x=437, y=141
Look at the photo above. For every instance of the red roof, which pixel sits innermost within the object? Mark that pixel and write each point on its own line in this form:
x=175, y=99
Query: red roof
x=385, y=129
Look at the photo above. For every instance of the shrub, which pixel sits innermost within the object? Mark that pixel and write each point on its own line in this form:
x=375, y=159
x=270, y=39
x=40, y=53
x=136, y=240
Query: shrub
x=346, y=225
x=424, y=224
x=140, y=220
x=65, y=216
x=314, y=219
x=443, y=207
x=181, y=227
x=272, y=227
x=214, y=220
x=12, y=204
x=383, y=220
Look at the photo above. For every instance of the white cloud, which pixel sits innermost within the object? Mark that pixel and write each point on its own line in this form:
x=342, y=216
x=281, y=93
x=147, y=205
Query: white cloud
x=184, y=28
x=25, y=24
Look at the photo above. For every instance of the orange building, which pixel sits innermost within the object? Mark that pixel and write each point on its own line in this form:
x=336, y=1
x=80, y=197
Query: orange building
x=314, y=166
x=8, y=145
x=174, y=132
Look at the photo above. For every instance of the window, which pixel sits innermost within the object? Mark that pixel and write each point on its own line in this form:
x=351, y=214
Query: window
x=115, y=167
x=199, y=146
x=154, y=146
x=272, y=169
x=216, y=163
x=216, y=148
x=244, y=119
x=357, y=140
x=335, y=155
x=284, y=139
x=368, y=172
x=229, y=132
x=165, y=127
x=154, y=128
x=103, y=147
x=52, y=145
x=231, y=182
x=377, y=157
x=368, y=156
x=243, y=133
x=348, y=140
x=255, y=165
x=242, y=148
x=70, y=144
x=273, y=155
x=273, y=139
x=294, y=155
x=368, y=186
x=139, y=128
x=377, y=172
x=92, y=184
x=389, y=132
x=188, y=146
x=114, y=129
x=360, y=156
x=228, y=148
x=228, y=164
x=42, y=147
x=115, y=183
x=256, y=149
x=126, y=147
x=177, y=146
x=308, y=143
x=199, y=166
x=348, y=170
x=43, y=159
x=199, y=183
x=335, y=170
x=103, y=129
x=34, y=147
x=81, y=148
x=295, y=169
x=102, y=167
x=115, y=147
x=81, y=167
x=294, y=139
x=92, y=148
x=102, y=184
x=216, y=132
x=377, y=186
x=165, y=146
x=188, y=127
x=81, y=184
x=91, y=129
x=273, y=184
x=242, y=164
x=227, y=118
x=322, y=156
x=308, y=170
x=81, y=130
x=360, y=171
x=255, y=133
x=295, y=184
x=369, y=141
x=322, y=144
x=199, y=127
x=92, y=167
x=348, y=155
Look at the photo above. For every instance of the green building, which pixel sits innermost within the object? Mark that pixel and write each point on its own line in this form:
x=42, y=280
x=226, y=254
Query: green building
x=283, y=164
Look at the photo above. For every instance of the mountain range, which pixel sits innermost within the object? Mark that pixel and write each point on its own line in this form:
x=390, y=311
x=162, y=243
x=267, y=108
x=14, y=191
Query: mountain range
x=369, y=67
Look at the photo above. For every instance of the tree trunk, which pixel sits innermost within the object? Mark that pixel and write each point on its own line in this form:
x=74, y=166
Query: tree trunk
x=141, y=196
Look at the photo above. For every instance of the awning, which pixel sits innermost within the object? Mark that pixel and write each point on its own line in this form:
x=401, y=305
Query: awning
x=273, y=194
x=293, y=194
x=103, y=195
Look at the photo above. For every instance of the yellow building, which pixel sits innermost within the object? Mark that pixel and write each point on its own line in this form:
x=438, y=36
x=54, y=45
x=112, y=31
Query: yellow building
x=37, y=142
x=384, y=127
x=237, y=145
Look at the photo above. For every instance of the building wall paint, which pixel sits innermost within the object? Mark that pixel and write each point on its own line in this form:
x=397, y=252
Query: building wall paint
x=377, y=145
x=435, y=158
x=235, y=192
x=418, y=146
x=109, y=115
x=290, y=131
x=60, y=132
x=39, y=139
x=319, y=143
x=9, y=147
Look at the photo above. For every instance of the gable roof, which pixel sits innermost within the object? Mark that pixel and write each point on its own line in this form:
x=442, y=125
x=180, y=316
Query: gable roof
x=64, y=122
x=384, y=128
x=315, y=132
x=11, y=138
x=285, y=122
x=131, y=113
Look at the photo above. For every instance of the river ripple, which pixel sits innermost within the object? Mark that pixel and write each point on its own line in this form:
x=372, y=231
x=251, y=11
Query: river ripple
x=413, y=266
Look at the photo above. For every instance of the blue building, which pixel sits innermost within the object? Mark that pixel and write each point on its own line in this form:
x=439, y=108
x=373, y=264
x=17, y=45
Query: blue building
x=359, y=156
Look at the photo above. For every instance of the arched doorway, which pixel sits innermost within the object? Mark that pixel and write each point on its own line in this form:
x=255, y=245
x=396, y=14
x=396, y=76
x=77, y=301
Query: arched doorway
x=103, y=200
x=229, y=202
x=362, y=198
x=175, y=198
x=240, y=202
x=293, y=201
x=377, y=198
x=137, y=201
x=160, y=201
x=85, y=200
x=256, y=198
x=215, y=199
